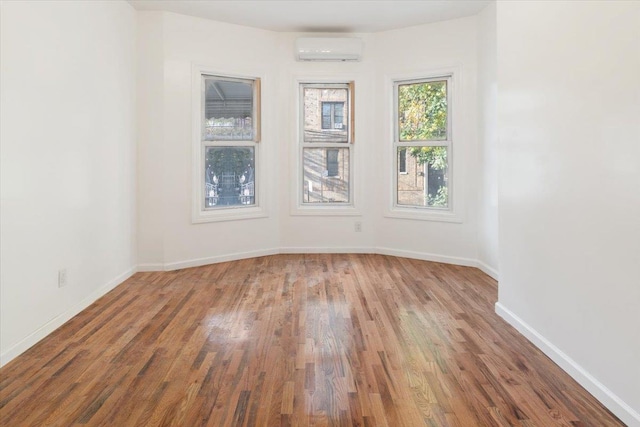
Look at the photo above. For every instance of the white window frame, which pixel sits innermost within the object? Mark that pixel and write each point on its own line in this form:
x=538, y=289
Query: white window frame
x=299, y=207
x=200, y=214
x=428, y=213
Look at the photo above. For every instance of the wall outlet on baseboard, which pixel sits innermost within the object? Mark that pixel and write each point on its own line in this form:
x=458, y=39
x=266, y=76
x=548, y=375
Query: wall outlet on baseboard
x=357, y=226
x=62, y=277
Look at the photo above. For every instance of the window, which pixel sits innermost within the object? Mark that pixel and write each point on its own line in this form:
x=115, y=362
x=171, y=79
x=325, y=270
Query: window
x=333, y=166
x=227, y=149
x=422, y=143
x=402, y=160
x=325, y=139
x=333, y=115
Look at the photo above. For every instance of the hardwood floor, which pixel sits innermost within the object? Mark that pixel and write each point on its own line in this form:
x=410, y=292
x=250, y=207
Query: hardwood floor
x=344, y=340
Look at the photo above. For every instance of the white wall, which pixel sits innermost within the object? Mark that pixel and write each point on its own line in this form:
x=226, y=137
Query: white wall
x=68, y=161
x=487, y=141
x=300, y=233
x=150, y=132
x=171, y=43
x=411, y=51
x=175, y=42
x=569, y=129
x=568, y=171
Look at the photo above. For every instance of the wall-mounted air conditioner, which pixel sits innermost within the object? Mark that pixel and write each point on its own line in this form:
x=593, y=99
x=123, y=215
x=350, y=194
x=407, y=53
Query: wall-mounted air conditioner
x=328, y=49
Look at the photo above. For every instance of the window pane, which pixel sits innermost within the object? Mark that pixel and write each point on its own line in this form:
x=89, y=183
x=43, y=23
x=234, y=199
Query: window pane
x=325, y=114
x=425, y=182
x=228, y=110
x=326, y=175
x=229, y=176
x=422, y=111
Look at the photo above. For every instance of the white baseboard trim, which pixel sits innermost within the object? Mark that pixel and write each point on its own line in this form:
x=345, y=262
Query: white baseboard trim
x=151, y=267
x=33, y=338
x=467, y=262
x=489, y=271
x=616, y=405
x=326, y=250
x=219, y=258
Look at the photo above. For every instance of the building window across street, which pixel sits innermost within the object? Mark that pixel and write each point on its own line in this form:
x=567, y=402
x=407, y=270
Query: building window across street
x=333, y=115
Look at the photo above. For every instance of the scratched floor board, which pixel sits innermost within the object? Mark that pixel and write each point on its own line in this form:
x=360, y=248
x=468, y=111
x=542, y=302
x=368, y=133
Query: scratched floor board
x=299, y=340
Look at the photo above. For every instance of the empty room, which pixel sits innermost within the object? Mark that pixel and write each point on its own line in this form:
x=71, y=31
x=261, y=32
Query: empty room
x=319, y=213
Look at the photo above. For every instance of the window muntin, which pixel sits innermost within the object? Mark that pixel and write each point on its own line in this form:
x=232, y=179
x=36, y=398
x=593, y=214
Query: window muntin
x=326, y=152
x=229, y=136
x=422, y=143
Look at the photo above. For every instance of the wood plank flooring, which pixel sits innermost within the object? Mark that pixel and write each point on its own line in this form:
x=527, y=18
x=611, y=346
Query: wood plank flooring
x=295, y=340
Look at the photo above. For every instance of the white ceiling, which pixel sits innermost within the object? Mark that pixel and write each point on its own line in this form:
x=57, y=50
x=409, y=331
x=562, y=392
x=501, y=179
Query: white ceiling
x=320, y=15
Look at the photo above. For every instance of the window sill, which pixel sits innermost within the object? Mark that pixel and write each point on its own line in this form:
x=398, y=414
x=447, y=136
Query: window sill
x=423, y=214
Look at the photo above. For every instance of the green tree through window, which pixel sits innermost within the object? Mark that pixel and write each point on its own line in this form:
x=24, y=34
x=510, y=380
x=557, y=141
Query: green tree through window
x=422, y=117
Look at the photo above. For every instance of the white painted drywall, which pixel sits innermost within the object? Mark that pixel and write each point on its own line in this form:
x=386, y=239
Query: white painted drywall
x=487, y=141
x=301, y=233
x=569, y=150
x=150, y=133
x=386, y=54
x=568, y=121
x=168, y=238
x=68, y=161
x=169, y=47
x=411, y=51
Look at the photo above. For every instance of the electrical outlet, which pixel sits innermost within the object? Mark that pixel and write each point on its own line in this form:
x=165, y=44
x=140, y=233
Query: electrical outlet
x=358, y=226
x=62, y=278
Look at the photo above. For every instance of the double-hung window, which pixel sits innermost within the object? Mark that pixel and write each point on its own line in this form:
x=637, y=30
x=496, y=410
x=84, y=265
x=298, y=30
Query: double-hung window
x=326, y=134
x=227, y=160
x=422, y=143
